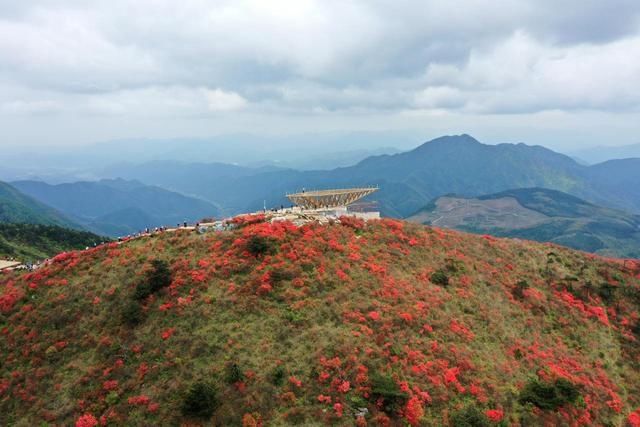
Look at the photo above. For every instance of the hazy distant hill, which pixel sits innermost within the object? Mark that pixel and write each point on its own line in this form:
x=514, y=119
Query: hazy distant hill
x=450, y=164
x=602, y=154
x=116, y=207
x=16, y=207
x=616, y=183
x=205, y=180
x=407, y=180
x=316, y=150
x=542, y=215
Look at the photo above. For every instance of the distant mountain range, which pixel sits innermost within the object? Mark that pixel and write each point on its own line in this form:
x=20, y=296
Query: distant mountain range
x=601, y=154
x=118, y=207
x=539, y=214
x=326, y=150
x=409, y=180
x=16, y=207
x=167, y=192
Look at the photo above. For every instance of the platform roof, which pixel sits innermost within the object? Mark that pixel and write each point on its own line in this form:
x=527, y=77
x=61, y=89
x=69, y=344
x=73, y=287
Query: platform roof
x=319, y=199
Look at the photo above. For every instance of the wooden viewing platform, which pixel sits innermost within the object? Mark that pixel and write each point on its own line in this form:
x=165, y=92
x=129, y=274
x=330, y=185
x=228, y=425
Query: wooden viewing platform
x=323, y=199
x=9, y=265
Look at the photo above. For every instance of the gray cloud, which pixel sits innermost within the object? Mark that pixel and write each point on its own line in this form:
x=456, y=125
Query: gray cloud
x=155, y=58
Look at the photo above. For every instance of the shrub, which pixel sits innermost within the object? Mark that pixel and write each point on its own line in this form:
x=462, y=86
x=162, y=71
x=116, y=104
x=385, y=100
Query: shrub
x=158, y=277
x=549, y=396
x=518, y=291
x=260, y=245
x=607, y=293
x=234, y=374
x=143, y=290
x=635, y=329
x=132, y=313
x=201, y=401
x=439, y=277
x=278, y=275
x=277, y=375
x=385, y=387
x=469, y=417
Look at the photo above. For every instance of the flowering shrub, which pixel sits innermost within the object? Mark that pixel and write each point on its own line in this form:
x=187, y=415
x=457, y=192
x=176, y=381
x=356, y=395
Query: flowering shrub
x=167, y=333
x=139, y=400
x=494, y=415
x=87, y=420
x=413, y=411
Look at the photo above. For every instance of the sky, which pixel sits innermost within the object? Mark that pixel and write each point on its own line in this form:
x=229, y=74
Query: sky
x=564, y=74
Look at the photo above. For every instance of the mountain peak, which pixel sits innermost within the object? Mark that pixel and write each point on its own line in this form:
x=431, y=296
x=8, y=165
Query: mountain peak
x=452, y=139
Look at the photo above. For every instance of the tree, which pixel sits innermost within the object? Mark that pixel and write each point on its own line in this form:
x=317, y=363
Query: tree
x=549, y=396
x=201, y=401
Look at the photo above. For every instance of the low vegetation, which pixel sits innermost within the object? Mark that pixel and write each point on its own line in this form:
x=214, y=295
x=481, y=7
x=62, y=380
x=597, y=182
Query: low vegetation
x=352, y=323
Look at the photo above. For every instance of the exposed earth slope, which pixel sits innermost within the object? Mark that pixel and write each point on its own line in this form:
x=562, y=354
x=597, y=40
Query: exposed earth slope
x=539, y=214
x=384, y=323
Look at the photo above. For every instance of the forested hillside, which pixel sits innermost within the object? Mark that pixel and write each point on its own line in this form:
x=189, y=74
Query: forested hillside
x=30, y=242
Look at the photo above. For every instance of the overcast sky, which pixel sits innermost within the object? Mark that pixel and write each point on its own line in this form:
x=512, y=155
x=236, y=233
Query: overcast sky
x=562, y=73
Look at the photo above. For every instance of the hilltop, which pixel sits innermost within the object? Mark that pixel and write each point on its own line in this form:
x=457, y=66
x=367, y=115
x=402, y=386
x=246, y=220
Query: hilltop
x=539, y=214
x=377, y=323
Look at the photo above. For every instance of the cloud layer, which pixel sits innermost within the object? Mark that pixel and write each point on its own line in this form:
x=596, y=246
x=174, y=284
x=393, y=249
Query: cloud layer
x=197, y=58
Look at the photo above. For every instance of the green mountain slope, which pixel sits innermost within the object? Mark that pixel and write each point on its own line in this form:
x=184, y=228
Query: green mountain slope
x=116, y=207
x=384, y=323
x=539, y=214
x=30, y=242
x=17, y=207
